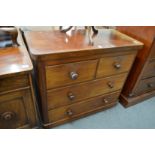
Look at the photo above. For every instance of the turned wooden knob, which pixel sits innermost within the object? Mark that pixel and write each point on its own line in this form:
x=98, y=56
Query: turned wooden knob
x=71, y=96
x=8, y=116
x=117, y=65
x=150, y=85
x=110, y=84
x=105, y=100
x=69, y=112
x=73, y=75
x=131, y=94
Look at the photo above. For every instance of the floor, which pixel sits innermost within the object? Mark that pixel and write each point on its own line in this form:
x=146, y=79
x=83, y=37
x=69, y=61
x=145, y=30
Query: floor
x=140, y=116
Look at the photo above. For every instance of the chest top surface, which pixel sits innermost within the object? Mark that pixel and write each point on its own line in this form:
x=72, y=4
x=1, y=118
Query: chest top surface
x=55, y=42
x=14, y=60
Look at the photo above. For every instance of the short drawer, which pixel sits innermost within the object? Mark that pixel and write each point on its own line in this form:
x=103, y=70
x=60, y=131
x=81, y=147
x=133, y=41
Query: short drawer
x=71, y=94
x=68, y=112
x=11, y=83
x=70, y=73
x=114, y=65
x=12, y=111
x=145, y=85
x=149, y=70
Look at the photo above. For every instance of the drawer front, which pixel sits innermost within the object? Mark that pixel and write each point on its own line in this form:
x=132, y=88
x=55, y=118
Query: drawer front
x=145, y=85
x=152, y=56
x=12, y=111
x=12, y=83
x=70, y=73
x=69, y=112
x=114, y=65
x=149, y=70
x=71, y=94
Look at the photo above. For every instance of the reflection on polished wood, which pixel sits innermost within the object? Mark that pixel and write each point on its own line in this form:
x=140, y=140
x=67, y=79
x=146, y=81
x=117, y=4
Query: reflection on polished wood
x=14, y=60
x=42, y=43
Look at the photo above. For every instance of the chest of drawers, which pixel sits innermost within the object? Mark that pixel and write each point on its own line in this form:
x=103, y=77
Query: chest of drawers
x=17, y=101
x=140, y=84
x=75, y=79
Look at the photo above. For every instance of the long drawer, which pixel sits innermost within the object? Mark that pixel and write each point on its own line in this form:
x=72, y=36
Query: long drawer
x=68, y=112
x=114, y=65
x=68, y=95
x=145, y=85
x=61, y=75
x=149, y=70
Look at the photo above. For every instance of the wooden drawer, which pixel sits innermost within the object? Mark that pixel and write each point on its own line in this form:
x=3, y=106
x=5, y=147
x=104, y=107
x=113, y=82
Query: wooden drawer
x=145, y=85
x=68, y=95
x=149, y=70
x=152, y=55
x=70, y=73
x=12, y=83
x=68, y=112
x=114, y=65
x=12, y=111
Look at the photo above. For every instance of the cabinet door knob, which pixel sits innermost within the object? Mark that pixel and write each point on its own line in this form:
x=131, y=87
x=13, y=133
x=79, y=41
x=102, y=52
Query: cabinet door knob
x=150, y=85
x=69, y=112
x=117, y=65
x=131, y=94
x=73, y=75
x=71, y=96
x=105, y=100
x=110, y=84
x=8, y=116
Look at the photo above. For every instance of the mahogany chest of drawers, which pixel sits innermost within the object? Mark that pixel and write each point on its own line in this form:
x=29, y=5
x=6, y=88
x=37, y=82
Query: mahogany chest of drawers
x=140, y=84
x=75, y=79
x=17, y=102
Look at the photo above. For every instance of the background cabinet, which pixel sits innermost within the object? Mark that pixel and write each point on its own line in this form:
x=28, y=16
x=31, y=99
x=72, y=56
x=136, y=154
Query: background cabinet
x=17, y=100
x=140, y=83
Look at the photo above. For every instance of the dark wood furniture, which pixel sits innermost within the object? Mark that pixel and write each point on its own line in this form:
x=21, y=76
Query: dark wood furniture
x=17, y=101
x=75, y=79
x=140, y=84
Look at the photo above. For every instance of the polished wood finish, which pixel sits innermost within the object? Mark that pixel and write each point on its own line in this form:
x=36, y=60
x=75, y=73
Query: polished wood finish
x=76, y=42
x=143, y=67
x=14, y=82
x=14, y=60
x=16, y=110
x=62, y=96
x=67, y=113
x=149, y=70
x=17, y=101
x=72, y=79
x=114, y=65
x=145, y=85
x=70, y=73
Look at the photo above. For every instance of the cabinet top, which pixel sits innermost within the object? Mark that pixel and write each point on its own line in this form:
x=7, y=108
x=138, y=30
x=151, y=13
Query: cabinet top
x=55, y=42
x=14, y=60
